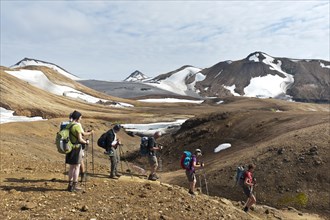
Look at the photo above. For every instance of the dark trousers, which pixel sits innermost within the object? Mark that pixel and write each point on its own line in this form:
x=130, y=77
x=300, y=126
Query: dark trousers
x=114, y=160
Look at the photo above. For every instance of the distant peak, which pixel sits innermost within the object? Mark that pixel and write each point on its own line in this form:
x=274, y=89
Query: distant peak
x=136, y=76
x=257, y=56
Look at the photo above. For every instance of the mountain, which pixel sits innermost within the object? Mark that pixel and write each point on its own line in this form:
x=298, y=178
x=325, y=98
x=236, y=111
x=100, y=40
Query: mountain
x=136, y=76
x=258, y=75
x=34, y=62
x=263, y=76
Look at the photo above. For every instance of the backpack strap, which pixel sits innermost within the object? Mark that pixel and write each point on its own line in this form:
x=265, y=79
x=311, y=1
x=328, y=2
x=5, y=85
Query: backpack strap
x=71, y=133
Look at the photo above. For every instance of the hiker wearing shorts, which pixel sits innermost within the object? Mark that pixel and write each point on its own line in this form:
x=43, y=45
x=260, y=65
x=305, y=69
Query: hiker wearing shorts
x=74, y=158
x=113, y=143
x=248, y=185
x=190, y=171
x=152, y=155
x=83, y=173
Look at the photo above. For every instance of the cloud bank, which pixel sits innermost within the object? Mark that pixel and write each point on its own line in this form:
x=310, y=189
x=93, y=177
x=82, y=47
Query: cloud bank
x=108, y=40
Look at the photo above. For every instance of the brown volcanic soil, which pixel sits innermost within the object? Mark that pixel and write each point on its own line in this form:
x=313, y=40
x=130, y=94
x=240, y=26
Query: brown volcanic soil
x=290, y=149
x=32, y=185
x=31, y=174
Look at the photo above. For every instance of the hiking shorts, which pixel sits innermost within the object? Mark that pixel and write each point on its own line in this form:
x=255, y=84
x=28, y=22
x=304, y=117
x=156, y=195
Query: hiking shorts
x=152, y=160
x=190, y=176
x=74, y=157
x=247, y=191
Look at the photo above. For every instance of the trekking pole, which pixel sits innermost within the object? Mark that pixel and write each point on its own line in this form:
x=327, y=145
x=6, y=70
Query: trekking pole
x=86, y=171
x=207, y=189
x=64, y=170
x=200, y=183
x=121, y=162
x=93, y=153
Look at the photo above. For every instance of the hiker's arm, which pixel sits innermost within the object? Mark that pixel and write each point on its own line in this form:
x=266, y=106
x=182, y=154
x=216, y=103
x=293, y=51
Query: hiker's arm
x=88, y=133
x=81, y=140
x=247, y=182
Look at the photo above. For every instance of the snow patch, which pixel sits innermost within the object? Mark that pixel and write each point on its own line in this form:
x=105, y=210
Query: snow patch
x=219, y=102
x=270, y=85
x=7, y=116
x=177, y=82
x=232, y=89
x=150, y=129
x=171, y=100
x=324, y=66
x=218, y=74
x=222, y=147
x=254, y=57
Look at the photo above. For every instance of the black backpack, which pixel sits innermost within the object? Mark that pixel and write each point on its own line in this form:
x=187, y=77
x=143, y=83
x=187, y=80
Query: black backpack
x=105, y=140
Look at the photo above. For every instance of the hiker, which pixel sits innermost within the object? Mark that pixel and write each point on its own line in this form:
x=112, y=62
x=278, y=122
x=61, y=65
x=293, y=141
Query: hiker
x=83, y=173
x=190, y=171
x=111, y=150
x=248, y=185
x=152, y=156
x=74, y=157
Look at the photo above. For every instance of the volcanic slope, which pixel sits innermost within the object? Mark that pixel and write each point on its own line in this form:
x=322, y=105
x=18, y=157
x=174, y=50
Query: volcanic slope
x=289, y=146
x=33, y=185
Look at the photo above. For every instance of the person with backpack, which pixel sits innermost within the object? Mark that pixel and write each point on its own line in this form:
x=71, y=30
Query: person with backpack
x=111, y=144
x=74, y=157
x=83, y=173
x=248, y=185
x=152, y=155
x=191, y=168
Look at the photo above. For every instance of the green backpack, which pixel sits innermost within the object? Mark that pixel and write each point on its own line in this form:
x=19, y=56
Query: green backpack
x=63, y=141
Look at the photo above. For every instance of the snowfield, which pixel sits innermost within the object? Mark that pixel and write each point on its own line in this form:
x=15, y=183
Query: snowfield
x=177, y=82
x=7, y=116
x=39, y=79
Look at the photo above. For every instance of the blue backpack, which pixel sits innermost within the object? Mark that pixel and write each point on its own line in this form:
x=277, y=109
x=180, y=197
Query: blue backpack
x=144, y=146
x=240, y=171
x=185, y=161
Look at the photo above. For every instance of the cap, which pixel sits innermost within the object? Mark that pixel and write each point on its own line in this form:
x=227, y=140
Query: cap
x=198, y=151
x=116, y=127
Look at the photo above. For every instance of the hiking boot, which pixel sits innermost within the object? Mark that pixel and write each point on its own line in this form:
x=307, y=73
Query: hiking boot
x=156, y=176
x=113, y=177
x=152, y=177
x=75, y=187
x=70, y=186
x=192, y=193
x=118, y=175
x=245, y=209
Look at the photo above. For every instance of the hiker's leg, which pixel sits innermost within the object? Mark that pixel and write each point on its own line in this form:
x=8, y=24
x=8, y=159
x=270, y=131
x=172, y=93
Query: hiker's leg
x=193, y=183
x=71, y=169
x=113, y=166
x=153, y=164
x=76, y=172
x=252, y=201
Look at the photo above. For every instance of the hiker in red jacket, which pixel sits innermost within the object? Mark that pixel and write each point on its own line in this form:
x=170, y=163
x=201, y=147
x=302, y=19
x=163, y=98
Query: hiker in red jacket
x=249, y=183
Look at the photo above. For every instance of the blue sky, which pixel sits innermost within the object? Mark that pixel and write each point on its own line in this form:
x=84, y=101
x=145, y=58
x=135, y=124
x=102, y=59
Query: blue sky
x=108, y=40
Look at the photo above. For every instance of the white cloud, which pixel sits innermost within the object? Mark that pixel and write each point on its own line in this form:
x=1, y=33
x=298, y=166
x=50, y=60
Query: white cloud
x=109, y=40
